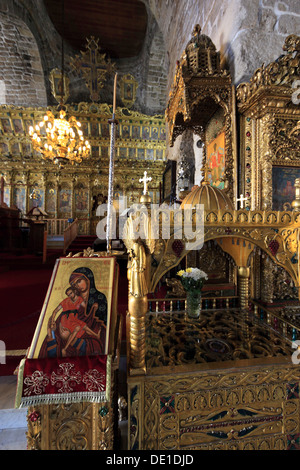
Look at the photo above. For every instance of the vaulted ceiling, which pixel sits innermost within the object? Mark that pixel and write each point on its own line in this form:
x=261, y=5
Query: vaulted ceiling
x=120, y=25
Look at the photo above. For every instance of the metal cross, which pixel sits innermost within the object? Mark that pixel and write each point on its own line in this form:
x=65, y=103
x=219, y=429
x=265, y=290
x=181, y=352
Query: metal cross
x=145, y=180
x=94, y=67
x=241, y=200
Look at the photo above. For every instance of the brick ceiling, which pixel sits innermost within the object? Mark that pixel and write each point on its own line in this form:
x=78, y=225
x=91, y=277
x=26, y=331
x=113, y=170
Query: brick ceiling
x=120, y=25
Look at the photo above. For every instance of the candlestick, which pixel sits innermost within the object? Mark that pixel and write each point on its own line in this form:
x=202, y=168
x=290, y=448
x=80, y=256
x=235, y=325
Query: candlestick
x=115, y=94
x=113, y=123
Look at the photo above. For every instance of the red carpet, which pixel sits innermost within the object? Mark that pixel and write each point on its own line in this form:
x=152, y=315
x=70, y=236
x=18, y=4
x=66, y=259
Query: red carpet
x=22, y=294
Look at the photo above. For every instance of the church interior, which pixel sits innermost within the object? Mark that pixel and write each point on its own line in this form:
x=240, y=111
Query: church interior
x=108, y=109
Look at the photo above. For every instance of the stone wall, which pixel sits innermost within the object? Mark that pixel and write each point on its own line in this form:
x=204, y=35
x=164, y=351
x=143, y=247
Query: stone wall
x=21, y=74
x=44, y=46
x=247, y=33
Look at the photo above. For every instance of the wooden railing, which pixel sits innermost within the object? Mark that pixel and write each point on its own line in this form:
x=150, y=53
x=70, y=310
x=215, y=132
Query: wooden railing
x=70, y=233
x=56, y=227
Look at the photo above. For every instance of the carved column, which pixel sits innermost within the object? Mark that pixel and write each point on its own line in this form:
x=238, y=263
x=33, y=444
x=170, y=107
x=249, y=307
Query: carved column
x=243, y=286
x=137, y=315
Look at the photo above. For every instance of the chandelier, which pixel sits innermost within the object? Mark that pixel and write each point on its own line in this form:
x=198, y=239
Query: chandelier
x=57, y=138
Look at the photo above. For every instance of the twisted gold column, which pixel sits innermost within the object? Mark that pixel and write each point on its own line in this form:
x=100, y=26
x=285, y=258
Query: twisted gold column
x=243, y=286
x=137, y=307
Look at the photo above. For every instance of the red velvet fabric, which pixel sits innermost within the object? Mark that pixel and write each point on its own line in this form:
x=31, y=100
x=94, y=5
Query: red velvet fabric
x=64, y=378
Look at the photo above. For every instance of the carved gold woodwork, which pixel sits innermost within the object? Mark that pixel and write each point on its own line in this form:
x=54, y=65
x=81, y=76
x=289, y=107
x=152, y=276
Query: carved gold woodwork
x=94, y=66
x=272, y=231
x=228, y=381
x=201, y=87
x=253, y=407
x=269, y=123
x=75, y=426
x=140, y=146
x=78, y=426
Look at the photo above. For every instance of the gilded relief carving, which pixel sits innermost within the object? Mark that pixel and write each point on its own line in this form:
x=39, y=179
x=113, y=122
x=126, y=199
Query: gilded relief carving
x=200, y=88
x=255, y=409
x=74, y=426
x=267, y=102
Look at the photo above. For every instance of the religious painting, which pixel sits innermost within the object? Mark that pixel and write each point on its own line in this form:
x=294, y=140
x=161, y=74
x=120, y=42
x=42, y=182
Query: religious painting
x=6, y=126
x=149, y=154
x=125, y=132
x=131, y=152
x=162, y=135
x=18, y=126
x=154, y=133
x=78, y=315
x=26, y=149
x=94, y=129
x=19, y=198
x=104, y=152
x=283, y=181
x=85, y=128
x=141, y=154
x=65, y=199
x=42, y=129
x=159, y=154
x=95, y=151
x=28, y=123
x=15, y=148
x=136, y=132
x=51, y=200
x=104, y=130
x=123, y=152
x=146, y=132
x=59, y=85
x=36, y=197
x=4, y=148
x=216, y=161
x=128, y=87
x=81, y=196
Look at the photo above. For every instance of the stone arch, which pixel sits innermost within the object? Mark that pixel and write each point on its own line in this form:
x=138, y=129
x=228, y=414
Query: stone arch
x=21, y=75
x=33, y=17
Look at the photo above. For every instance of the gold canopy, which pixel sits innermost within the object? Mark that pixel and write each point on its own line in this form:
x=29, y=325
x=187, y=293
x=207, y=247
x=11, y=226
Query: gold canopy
x=211, y=197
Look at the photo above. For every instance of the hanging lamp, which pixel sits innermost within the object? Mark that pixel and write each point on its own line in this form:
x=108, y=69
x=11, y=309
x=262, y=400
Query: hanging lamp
x=57, y=138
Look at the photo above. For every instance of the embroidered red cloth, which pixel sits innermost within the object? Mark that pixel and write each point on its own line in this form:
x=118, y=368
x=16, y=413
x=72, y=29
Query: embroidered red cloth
x=64, y=380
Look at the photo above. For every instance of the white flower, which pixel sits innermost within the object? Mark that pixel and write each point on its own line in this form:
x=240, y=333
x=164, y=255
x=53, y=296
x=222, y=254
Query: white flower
x=195, y=273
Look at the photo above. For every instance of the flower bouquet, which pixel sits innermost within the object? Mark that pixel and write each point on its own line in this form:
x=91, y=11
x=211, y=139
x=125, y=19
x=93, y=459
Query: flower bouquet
x=192, y=280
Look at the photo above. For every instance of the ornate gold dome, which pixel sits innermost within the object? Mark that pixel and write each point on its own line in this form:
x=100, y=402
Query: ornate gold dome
x=211, y=197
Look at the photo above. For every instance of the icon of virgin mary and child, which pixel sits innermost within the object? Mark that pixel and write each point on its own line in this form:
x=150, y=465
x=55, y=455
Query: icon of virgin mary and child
x=80, y=327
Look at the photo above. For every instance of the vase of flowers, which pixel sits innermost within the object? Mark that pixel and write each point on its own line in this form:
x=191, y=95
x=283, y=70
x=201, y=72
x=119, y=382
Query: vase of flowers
x=192, y=280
